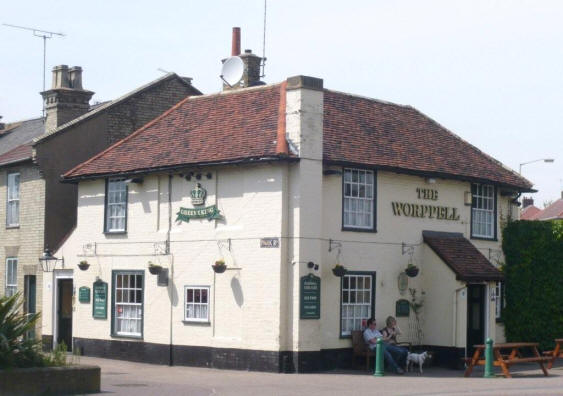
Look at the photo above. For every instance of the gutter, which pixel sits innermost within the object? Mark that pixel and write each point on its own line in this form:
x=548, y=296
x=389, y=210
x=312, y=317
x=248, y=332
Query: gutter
x=242, y=161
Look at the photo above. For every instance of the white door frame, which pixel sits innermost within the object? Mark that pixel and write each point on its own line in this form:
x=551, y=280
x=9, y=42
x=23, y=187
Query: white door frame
x=58, y=274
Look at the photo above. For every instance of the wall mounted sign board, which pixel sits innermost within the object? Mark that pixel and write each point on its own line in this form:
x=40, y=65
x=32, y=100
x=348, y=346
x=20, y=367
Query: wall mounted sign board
x=402, y=308
x=310, y=301
x=100, y=300
x=84, y=294
x=270, y=243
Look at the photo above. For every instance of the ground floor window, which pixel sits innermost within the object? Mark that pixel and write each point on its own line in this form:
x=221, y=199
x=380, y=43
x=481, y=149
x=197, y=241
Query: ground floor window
x=11, y=276
x=357, y=301
x=196, y=303
x=499, y=300
x=128, y=287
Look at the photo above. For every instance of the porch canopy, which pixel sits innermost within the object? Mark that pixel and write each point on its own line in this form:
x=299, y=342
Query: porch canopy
x=468, y=263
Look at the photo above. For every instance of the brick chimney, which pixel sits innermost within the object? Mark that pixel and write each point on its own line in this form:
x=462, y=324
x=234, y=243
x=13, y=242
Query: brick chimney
x=527, y=201
x=251, y=73
x=66, y=100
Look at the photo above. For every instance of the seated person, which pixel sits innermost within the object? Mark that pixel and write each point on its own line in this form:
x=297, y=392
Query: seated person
x=390, y=333
x=371, y=334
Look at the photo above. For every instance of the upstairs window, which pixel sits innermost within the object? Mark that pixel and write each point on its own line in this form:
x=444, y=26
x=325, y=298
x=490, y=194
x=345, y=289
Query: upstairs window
x=483, y=211
x=13, y=201
x=358, y=206
x=11, y=276
x=116, y=206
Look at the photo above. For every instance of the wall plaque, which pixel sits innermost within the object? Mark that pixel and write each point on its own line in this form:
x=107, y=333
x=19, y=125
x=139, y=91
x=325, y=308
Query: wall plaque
x=402, y=308
x=310, y=302
x=100, y=300
x=84, y=294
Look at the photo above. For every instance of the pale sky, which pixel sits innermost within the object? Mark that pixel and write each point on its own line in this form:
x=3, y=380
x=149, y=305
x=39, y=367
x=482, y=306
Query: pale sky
x=490, y=71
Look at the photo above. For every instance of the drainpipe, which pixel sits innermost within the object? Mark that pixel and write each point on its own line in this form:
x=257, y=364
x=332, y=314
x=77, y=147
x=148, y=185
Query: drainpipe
x=171, y=275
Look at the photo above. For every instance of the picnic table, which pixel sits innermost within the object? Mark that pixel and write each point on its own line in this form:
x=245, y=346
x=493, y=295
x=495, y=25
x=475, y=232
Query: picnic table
x=556, y=353
x=506, y=355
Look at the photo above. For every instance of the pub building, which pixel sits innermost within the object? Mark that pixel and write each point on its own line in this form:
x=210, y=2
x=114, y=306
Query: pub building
x=258, y=227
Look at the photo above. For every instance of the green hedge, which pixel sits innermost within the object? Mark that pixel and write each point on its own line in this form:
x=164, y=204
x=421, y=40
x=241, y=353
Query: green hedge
x=533, y=281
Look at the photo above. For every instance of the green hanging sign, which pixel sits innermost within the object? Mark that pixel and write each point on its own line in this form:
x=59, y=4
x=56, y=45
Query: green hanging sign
x=209, y=213
x=100, y=300
x=310, y=304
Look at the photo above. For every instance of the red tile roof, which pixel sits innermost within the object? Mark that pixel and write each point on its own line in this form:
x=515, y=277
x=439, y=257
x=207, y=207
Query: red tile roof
x=242, y=125
x=371, y=132
x=553, y=211
x=529, y=213
x=461, y=256
x=18, y=154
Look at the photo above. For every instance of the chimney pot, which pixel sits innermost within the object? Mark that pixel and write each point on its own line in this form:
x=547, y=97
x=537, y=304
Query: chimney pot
x=235, y=47
x=60, y=77
x=75, y=76
x=527, y=201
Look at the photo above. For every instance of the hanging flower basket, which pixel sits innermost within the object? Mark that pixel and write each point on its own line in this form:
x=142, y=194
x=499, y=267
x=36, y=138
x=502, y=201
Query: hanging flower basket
x=339, y=270
x=83, y=265
x=412, y=271
x=155, y=269
x=219, y=267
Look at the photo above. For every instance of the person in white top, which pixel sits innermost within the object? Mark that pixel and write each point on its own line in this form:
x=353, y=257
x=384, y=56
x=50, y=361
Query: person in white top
x=371, y=334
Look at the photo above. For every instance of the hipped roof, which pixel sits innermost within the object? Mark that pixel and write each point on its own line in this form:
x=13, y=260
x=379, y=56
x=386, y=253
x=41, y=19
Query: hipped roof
x=239, y=126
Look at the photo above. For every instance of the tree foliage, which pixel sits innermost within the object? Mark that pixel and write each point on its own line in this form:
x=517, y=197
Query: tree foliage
x=533, y=281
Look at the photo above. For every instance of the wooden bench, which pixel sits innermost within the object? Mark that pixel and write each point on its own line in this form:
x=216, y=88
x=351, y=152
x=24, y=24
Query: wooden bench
x=556, y=353
x=360, y=348
x=504, y=361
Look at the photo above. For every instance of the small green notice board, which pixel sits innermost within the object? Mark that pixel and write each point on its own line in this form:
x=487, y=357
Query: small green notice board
x=100, y=299
x=402, y=308
x=310, y=301
x=84, y=294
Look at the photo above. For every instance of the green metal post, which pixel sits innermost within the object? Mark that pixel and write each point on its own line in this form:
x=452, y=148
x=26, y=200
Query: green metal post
x=379, y=358
x=489, y=359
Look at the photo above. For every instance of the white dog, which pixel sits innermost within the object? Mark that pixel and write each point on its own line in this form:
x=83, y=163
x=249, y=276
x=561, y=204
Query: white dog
x=417, y=358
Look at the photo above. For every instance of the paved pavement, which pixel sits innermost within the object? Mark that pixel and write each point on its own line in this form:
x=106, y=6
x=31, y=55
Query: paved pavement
x=127, y=378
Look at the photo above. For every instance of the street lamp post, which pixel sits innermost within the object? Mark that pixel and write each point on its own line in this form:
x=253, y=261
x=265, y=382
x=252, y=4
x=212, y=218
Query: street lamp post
x=537, y=160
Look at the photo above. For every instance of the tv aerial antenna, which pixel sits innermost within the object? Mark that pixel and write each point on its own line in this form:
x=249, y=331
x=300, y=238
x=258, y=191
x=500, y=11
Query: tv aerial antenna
x=44, y=34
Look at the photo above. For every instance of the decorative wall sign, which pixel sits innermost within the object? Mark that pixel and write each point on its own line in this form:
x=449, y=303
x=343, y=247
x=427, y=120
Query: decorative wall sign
x=198, y=195
x=310, y=301
x=402, y=282
x=209, y=213
x=269, y=242
x=84, y=294
x=425, y=211
x=100, y=300
x=402, y=308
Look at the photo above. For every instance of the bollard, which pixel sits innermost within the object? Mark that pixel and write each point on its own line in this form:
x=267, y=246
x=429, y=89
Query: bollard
x=489, y=359
x=379, y=358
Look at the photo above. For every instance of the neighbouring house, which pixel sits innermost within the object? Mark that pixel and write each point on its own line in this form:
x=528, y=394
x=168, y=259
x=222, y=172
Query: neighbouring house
x=553, y=211
x=37, y=209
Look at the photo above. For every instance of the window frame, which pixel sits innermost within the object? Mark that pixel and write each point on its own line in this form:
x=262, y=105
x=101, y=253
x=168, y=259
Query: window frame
x=345, y=227
x=114, y=274
x=373, y=275
x=197, y=320
x=11, y=286
x=473, y=207
x=106, y=206
x=12, y=224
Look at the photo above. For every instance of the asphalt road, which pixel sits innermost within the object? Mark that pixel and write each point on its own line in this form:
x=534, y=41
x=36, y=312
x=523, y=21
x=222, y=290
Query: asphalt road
x=127, y=378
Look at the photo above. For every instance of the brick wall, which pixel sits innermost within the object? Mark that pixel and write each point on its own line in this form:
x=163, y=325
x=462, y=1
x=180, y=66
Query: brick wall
x=26, y=241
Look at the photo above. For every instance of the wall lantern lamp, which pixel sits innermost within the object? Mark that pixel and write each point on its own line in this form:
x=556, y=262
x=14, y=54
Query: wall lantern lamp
x=48, y=261
x=467, y=198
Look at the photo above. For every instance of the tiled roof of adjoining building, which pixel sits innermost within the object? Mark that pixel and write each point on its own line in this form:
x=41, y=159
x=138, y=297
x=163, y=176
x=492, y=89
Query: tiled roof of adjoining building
x=18, y=133
x=241, y=125
x=461, y=256
x=21, y=153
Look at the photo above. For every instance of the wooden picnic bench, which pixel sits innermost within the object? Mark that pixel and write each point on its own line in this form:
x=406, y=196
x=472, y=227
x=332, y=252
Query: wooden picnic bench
x=504, y=361
x=556, y=353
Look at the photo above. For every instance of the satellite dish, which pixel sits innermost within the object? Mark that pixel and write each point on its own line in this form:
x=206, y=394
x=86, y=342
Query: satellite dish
x=232, y=70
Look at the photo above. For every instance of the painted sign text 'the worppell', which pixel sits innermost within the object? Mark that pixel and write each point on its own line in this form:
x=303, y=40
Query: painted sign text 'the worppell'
x=425, y=211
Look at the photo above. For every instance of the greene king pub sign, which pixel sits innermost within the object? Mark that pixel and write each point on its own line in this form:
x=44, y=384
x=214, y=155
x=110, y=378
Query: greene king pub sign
x=198, y=196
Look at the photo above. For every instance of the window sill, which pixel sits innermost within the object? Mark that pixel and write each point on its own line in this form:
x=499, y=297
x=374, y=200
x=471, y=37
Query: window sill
x=484, y=238
x=128, y=337
x=12, y=227
x=345, y=337
x=115, y=232
x=371, y=230
x=196, y=322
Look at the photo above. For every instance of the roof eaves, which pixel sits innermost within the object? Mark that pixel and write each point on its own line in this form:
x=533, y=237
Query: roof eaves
x=16, y=161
